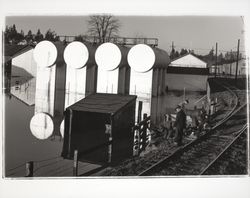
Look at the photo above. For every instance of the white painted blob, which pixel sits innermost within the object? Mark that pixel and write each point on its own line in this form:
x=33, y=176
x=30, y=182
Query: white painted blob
x=41, y=126
x=141, y=58
x=45, y=54
x=108, y=56
x=76, y=55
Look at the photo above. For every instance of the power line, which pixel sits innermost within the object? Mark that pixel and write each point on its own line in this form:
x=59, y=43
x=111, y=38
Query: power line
x=236, y=72
x=205, y=49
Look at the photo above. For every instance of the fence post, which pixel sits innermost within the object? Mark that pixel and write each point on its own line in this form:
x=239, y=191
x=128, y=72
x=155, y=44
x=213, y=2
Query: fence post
x=144, y=132
x=139, y=112
x=75, y=166
x=137, y=138
x=29, y=169
x=110, y=149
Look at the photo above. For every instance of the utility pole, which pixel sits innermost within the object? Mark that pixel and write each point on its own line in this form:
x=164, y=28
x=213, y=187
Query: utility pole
x=216, y=49
x=231, y=59
x=237, y=60
x=172, y=46
x=172, y=50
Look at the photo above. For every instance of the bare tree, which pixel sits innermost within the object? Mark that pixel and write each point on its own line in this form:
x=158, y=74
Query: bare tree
x=103, y=27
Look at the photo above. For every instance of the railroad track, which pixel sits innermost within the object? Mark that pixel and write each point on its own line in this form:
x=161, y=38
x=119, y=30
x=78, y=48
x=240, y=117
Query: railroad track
x=211, y=164
x=197, y=156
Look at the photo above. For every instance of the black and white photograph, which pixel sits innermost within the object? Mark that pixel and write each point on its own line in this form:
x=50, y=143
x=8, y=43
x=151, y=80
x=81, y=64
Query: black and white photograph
x=102, y=95
x=106, y=95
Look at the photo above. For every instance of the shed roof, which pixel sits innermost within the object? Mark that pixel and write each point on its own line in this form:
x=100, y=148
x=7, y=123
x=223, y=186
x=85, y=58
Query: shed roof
x=11, y=51
x=103, y=103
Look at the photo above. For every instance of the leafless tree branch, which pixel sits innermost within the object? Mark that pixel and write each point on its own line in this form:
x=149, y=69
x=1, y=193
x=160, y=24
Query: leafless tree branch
x=103, y=27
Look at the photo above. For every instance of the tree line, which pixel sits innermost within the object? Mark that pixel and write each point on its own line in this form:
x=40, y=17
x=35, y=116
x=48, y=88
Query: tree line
x=12, y=36
x=103, y=28
x=209, y=58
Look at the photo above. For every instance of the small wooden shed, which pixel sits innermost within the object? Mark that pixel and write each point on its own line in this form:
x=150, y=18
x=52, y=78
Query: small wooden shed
x=100, y=128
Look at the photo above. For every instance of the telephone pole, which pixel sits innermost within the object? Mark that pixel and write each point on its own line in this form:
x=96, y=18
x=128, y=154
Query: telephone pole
x=216, y=49
x=172, y=46
x=237, y=60
x=172, y=55
x=231, y=59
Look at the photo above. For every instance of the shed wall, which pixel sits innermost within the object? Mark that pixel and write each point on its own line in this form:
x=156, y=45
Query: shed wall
x=26, y=61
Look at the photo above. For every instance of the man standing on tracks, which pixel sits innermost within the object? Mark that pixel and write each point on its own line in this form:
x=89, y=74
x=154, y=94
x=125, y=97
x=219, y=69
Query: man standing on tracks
x=179, y=124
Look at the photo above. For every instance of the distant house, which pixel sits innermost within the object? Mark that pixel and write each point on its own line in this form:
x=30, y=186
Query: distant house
x=186, y=79
x=187, y=72
x=23, y=42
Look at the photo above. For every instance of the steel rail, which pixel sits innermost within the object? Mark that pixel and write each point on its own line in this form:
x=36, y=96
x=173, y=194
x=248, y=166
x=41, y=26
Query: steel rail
x=239, y=133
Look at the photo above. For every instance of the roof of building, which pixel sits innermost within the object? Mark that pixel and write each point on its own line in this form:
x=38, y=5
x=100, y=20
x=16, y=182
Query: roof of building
x=102, y=103
x=11, y=51
x=188, y=60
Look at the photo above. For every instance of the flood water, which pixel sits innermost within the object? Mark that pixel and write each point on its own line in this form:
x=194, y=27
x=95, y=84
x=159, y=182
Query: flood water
x=29, y=95
x=20, y=145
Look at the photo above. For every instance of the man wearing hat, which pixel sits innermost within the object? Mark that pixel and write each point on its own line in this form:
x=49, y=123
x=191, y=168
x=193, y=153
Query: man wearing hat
x=179, y=124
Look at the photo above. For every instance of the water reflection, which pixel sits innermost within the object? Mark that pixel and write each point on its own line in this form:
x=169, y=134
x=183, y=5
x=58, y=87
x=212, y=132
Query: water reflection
x=20, y=145
x=141, y=85
x=41, y=126
x=75, y=85
x=45, y=90
x=107, y=81
x=166, y=104
x=24, y=91
x=53, y=94
x=41, y=92
x=21, y=83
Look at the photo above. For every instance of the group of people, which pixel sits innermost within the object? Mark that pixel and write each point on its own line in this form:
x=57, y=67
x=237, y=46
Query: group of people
x=175, y=129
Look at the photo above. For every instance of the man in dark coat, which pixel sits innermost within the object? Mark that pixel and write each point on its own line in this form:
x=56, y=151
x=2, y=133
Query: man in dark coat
x=179, y=124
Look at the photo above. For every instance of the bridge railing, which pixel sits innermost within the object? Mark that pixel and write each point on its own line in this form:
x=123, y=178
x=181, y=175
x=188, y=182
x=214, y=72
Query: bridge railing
x=117, y=40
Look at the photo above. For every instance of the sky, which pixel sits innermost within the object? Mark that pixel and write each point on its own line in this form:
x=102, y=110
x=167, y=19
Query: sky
x=199, y=33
